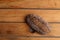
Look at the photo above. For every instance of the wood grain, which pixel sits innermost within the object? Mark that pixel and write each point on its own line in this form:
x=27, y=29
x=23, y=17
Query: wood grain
x=4, y=38
x=22, y=29
x=29, y=3
x=12, y=20
x=39, y=39
x=17, y=15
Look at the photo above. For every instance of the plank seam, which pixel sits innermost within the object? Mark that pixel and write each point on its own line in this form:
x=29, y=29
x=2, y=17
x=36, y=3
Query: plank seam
x=34, y=8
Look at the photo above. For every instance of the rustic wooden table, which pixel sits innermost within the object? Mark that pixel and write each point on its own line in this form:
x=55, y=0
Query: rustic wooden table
x=13, y=12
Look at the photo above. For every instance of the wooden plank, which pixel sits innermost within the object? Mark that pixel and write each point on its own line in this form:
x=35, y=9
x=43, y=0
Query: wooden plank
x=29, y=3
x=22, y=29
x=29, y=38
x=17, y=15
x=38, y=39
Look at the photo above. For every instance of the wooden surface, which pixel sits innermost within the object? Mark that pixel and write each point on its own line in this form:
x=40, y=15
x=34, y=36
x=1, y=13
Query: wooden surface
x=12, y=19
x=12, y=23
x=18, y=15
x=29, y=3
x=22, y=29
